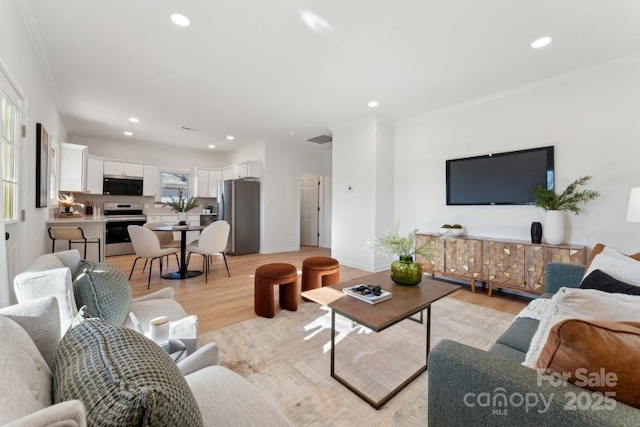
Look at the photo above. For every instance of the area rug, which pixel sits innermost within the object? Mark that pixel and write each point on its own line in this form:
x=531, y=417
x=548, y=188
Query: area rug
x=288, y=359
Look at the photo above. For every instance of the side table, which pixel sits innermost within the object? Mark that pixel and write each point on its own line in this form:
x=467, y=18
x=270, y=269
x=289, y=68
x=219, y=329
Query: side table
x=176, y=349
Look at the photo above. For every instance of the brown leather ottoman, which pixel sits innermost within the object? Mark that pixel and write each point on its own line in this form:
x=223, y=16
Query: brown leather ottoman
x=319, y=271
x=266, y=277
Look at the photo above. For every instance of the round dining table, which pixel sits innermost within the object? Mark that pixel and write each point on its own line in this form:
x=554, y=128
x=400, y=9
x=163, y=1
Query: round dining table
x=182, y=273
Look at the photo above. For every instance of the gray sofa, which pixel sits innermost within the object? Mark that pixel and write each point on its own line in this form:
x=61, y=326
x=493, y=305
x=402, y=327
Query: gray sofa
x=467, y=385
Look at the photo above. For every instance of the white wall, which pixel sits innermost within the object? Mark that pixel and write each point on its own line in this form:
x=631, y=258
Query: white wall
x=284, y=161
x=17, y=53
x=255, y=151
x=163, y=155
x=362, y=190
x=590, y=117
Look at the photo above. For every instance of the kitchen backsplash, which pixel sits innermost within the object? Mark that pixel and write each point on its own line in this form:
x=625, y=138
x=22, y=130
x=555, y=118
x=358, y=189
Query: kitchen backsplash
x=149, y=204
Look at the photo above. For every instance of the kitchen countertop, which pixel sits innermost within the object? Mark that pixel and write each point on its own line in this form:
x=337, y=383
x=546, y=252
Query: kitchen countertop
x=84, y=219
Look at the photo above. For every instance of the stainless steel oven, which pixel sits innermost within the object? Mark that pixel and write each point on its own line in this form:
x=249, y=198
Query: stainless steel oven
x=119, y=217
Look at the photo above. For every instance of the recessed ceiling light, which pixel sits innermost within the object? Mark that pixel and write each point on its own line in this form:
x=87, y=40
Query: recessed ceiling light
x=180, y=19
x=134, y=120
x=373, y=104
x=230, y=137
x=126, y=132
x=541, y=42
x=212, y=146
x=292, y=133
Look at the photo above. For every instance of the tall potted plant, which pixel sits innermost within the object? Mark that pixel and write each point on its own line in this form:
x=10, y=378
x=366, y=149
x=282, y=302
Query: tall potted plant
x=554, y=204
x=182, y=206
x=404, y=270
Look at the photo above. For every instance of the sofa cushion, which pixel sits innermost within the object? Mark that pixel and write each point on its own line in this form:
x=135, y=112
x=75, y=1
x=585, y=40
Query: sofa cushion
x=121, y=377
x=599, y=247
x=227, y=399
x=585, y=304
x=41, y=320
x=599, y=356
x=104, y=290
x=519, y=334
x=601, y=281
x=507, y=352
x=615, y=264
x=25, y=378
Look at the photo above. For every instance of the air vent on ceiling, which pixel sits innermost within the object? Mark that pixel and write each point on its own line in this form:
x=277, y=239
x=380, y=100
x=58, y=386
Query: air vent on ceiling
x=322, y=139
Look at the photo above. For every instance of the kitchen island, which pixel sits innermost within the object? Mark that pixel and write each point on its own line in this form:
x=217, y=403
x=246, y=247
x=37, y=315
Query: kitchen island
x=92, y=227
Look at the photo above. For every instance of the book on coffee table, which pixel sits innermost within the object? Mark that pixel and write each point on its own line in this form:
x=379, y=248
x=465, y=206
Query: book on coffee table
x=353, y=291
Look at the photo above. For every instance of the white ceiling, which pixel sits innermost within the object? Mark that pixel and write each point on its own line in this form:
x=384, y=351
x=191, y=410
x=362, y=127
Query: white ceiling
x=255, y=70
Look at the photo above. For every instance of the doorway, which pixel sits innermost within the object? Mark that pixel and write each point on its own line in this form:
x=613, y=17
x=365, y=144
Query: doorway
x=309, y=209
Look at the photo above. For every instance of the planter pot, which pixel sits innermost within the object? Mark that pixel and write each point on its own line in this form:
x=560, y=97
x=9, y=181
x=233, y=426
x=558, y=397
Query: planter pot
x=406, y=272
x=182, y=218
x=553, y=230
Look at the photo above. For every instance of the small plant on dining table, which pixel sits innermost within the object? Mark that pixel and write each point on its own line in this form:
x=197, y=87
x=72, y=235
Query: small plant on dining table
x=181, y=205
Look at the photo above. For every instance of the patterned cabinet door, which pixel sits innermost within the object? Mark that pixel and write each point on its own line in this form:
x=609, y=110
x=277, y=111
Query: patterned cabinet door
x=503, y=263
x=436, y=265
x=463, y=258
x=538, y=256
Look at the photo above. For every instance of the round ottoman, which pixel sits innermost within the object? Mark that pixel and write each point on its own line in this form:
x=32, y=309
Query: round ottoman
x=266, y=277
x=319, y=271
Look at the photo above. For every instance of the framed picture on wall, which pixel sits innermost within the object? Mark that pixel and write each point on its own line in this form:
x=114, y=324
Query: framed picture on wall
x=42, y=166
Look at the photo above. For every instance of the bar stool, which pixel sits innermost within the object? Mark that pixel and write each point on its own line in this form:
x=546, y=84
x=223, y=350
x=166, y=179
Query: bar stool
x=275, y=274
x=319, y=271
x=73, y=235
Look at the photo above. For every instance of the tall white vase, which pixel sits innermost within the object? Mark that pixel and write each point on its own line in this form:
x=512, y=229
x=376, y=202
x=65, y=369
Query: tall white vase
x=553, y=229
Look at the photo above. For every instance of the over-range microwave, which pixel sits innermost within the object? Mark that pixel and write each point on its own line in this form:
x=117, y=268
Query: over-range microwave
x=122, y=186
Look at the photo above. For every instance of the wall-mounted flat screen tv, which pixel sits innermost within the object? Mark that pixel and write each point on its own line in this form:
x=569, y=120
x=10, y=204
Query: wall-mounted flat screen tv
x=500, y=179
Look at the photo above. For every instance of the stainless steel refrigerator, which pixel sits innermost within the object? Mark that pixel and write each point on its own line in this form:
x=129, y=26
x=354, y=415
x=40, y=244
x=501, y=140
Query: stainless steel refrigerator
x=239, y=205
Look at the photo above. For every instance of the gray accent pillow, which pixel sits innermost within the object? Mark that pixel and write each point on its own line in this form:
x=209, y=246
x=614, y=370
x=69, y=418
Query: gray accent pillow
x=121, y=377
x=104, y=290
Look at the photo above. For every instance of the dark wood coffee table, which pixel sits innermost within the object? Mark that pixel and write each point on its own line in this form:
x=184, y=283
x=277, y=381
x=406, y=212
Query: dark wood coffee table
x=406, y=301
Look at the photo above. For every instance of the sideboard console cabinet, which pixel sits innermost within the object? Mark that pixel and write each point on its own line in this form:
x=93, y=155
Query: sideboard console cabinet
x=500, y=263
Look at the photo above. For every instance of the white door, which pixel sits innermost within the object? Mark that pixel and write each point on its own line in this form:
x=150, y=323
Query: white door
x=10, y=120
x=309, y=209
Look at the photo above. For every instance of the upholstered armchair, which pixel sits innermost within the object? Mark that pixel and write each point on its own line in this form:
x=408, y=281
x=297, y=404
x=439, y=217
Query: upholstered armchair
x=105, y=291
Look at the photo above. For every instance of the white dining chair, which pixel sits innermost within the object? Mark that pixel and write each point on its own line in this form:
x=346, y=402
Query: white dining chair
x=166, y=240
x=147, y=245
x=212, y=241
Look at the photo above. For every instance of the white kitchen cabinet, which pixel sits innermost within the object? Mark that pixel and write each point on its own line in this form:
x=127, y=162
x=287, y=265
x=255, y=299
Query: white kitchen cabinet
x=154, y=218
x=214, y=178
x=207, y=182
x=94, y=175
x=250, y=169
x=202, y=183
x=73, y=167
x=124, y=170
x=228, y=173
x=151, y=180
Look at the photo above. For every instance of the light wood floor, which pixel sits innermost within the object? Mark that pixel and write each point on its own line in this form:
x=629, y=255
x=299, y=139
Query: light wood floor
x=227, y=300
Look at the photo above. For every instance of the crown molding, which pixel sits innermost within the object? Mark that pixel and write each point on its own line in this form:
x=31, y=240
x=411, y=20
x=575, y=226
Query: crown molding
x=560, y=78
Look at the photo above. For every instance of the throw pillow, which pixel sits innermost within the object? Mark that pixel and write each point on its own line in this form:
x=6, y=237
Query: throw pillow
x=104, y=290
x=121, y=377
x=585, y=304
x=603, y=282
x=598, y=248
x=616, y=265
x=599, y=356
